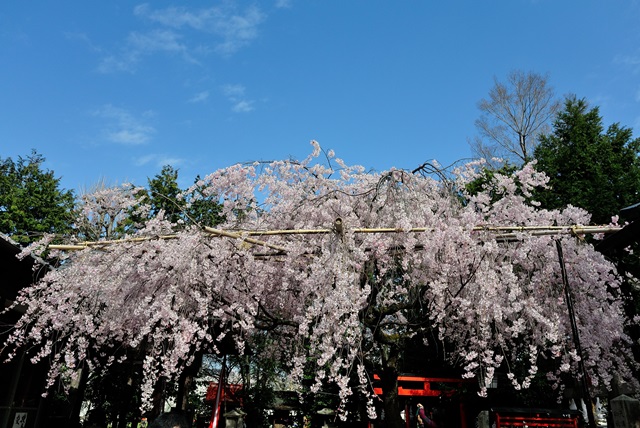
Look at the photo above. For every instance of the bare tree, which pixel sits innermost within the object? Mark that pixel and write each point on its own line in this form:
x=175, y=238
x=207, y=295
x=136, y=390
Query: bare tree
x=514, y=115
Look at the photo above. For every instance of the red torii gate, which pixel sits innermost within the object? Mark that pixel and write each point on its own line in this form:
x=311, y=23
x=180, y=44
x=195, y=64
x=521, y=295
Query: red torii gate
x=404, y=390
x=407, y=387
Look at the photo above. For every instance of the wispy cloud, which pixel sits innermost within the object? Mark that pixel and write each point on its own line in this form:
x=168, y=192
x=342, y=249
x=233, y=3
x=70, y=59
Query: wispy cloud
x=232, y=29
x=139, y=45
x=242, y=106
x=631, y=60
x=199, y=97
x=233, y=90
x=283, y=3
x=236, y=95
x=226, y=29
x=157, y=40
x=122, y=127
x=159, y=160
x=84, y=39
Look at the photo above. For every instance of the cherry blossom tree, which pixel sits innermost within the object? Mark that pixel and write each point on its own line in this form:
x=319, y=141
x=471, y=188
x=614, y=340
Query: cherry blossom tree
x=342, y=267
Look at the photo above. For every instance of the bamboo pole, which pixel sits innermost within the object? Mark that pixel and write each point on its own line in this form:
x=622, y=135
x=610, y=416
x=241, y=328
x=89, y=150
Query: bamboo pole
x=220, y=232
x=209, y=230
x=578, y=230
x=67, y=247
x=503, y=232
x=85, y=244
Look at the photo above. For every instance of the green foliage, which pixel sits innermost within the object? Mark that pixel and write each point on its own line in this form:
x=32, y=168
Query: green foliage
x=31, y=200
x=204, y=210
x=114, y=393
x=589, y=168
x=163, y=193
x=179, y=206
x=259, y=376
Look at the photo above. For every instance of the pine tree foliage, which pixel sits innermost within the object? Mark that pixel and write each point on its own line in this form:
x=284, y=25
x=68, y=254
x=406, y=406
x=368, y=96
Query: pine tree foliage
x=162, y=194
x=32, y=203
x=589, y=167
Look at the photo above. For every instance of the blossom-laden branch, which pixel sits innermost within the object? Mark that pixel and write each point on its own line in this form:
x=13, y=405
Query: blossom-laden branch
x=488, y=299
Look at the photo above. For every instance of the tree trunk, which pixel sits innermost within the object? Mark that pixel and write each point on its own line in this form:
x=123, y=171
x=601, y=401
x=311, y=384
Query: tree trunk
x=185, y=383
x=122, y=417
x=389, y=382
x=77, y=396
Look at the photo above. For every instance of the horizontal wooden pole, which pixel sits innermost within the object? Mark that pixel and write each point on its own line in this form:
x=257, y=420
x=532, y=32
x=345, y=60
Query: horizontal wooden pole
x=503, y=232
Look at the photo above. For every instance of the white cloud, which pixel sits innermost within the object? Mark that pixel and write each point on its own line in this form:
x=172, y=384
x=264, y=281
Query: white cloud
x=159, y=160
x=283, y=3
x=628, y=59
x=129, y=136
x=143, y=44
x=199, y=97
x=231, y=90
x=243, y=106
x=176, y=17
x=157, y=40
x=115, y=63
x=225, y=28
x=238, y=31
x=235, y=93
x=83, y=38
x=123, y=128
x=233, y=29
x=632, y=61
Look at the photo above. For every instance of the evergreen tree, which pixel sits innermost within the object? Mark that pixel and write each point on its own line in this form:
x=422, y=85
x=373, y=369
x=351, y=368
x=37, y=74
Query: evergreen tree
x=202, y=209
x=587, y=167
x=163, y=194
x=179, y=206
x=31, y=200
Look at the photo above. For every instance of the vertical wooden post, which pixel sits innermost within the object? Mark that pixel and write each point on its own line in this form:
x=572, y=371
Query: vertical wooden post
x=463, y=416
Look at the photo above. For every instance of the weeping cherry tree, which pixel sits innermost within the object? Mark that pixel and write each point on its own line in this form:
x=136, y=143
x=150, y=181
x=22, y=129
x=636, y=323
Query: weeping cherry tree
x=342, y=267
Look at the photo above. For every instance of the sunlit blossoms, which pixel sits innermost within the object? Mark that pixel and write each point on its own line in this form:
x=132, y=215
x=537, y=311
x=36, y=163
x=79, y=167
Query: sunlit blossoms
x=345, y=258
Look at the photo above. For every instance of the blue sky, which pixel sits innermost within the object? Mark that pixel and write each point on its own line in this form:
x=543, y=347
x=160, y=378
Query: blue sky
x=113, y=90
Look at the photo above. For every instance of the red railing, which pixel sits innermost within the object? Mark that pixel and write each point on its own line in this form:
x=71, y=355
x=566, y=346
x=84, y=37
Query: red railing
x=535, y=419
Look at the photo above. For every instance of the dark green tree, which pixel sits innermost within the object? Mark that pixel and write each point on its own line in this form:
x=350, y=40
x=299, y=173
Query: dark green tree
x=32, y=202
x=202, y=209
x=187, y=206
x=588, y=167
x=162, y=195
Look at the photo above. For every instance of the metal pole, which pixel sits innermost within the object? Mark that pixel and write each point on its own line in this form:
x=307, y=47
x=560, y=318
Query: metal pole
x=576, y=336
x=215, y=416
